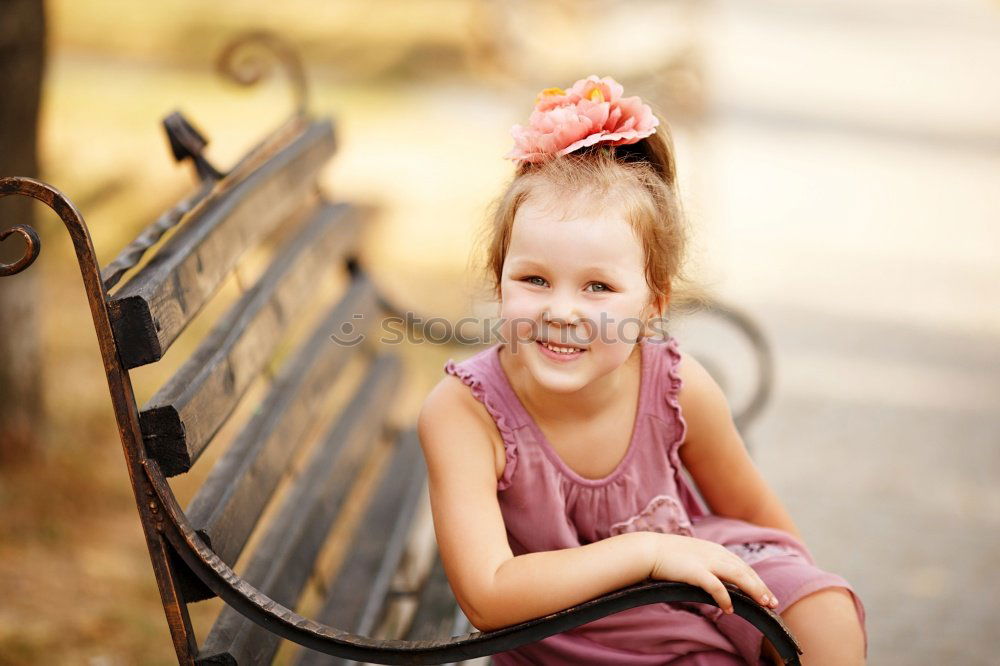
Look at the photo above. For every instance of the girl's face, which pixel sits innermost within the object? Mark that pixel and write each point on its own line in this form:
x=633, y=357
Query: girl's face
x=577, y=283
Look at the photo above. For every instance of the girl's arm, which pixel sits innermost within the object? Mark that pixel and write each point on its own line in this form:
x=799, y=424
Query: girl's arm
x=716, y=457
x=496, y=589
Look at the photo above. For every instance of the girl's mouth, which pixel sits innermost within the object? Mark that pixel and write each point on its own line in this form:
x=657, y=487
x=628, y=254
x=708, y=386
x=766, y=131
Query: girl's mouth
x=549, y=350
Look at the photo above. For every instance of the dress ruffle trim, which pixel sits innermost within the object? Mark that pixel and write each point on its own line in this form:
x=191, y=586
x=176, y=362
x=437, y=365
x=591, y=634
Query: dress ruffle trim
x=695, y=506
x=674, y=377
x=506, y=432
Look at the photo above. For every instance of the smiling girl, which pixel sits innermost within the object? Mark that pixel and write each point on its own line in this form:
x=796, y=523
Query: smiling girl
x=555, y=456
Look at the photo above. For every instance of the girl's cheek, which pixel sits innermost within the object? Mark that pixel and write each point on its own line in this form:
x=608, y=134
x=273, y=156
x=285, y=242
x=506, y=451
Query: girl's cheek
x=625, y=322
x=517, y=328
x=518, y=321
x=520, y=305
x=627, y=329
x=606, y=324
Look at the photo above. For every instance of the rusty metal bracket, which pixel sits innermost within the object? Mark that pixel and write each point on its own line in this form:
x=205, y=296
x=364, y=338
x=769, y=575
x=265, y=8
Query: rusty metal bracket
x=187, y=142
x=240, y=62
x=33, y=247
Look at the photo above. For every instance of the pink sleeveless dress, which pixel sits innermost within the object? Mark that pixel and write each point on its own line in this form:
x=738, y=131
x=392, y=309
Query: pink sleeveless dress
x=547, y=506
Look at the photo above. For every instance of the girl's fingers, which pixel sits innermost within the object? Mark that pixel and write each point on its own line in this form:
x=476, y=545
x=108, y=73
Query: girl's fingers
x=720, y=594
x=747, y=579
x=752, y=582
x=764, y=596
x=759, y=589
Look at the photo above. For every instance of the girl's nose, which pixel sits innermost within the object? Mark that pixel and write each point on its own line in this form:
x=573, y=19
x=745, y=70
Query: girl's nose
x=564, y=314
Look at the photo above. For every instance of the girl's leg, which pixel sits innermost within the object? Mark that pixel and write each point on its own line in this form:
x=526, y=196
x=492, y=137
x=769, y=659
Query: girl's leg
x=826, y=626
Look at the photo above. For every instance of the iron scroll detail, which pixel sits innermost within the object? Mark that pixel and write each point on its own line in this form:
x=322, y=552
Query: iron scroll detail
x=238, y=62
x=57, y=201
x=33, y=247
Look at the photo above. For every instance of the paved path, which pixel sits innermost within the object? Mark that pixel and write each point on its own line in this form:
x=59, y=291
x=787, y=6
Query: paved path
x=851, y=204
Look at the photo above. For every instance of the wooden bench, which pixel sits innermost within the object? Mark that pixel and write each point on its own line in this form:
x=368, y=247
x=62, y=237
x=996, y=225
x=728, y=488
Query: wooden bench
x=288, y=472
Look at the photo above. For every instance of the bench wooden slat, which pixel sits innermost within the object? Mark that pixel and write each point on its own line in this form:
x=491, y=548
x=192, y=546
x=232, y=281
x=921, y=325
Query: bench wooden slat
x=180, y=420
x=356, y=598
x=284, y=560
x=151, y=309
x=233, y=496
x=437, y=611
x=438, y=616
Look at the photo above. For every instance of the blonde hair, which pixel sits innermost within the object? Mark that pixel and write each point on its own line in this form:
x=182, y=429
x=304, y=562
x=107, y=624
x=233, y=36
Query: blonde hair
x=640, y=177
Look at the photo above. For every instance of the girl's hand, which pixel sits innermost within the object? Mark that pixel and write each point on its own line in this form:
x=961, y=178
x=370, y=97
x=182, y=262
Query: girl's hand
x=706, y=564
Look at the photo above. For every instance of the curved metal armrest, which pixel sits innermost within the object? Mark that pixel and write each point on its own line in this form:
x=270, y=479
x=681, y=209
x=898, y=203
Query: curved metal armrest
x=252, y=603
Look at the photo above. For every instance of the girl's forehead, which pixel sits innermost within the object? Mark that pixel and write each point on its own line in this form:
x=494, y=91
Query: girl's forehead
x=545, y=224
x=562, y=203
x=599, y=238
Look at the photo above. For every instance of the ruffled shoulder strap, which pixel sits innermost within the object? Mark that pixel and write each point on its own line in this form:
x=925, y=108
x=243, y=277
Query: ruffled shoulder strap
x=674, y=383
x=666, y=358
x=670, y=359
x=482, y=373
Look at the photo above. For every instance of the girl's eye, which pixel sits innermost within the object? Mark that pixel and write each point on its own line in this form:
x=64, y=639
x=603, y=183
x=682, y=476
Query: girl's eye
x=604, y=287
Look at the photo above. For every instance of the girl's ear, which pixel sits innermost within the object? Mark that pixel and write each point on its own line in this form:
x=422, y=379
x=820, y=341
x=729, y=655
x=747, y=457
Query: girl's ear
x=654, y=309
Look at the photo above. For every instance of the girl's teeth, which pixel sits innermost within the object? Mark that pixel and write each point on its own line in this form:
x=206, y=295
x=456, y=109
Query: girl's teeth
x=561, y=350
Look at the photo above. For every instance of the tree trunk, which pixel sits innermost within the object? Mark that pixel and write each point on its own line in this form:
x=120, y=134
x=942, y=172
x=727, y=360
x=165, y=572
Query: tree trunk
x=22, y=63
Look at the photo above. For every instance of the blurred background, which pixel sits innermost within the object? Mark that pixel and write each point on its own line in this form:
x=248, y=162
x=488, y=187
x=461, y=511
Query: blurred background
x=839, y=162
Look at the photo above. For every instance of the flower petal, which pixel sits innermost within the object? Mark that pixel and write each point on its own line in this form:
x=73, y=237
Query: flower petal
x=591, y=111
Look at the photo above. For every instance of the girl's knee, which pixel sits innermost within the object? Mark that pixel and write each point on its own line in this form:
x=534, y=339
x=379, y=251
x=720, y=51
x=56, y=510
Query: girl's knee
x=827, y=626
x=825, y=600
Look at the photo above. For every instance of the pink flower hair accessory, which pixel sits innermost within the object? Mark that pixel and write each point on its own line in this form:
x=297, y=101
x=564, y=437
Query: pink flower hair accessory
x=591, y=111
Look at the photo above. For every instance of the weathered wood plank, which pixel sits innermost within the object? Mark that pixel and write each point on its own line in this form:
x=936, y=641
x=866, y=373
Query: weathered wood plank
x=233, y=496
x=285, y=558
x=437, y=609
x=152, y=308
x=357, y=597
x=180, y=420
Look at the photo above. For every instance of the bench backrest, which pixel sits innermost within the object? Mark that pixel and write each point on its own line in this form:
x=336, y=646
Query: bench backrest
x=287, y=469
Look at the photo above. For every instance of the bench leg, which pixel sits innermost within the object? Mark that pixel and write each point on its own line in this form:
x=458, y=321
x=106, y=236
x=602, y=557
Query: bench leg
x=165, y=565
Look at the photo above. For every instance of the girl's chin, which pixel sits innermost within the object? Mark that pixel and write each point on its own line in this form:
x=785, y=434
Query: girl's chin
x=559, y=384
x=560, y=377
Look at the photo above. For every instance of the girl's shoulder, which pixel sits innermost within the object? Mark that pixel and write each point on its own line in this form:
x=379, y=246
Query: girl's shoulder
x=696, y=391
x=695, y=386
x=451, y=399
x=709, y=430
x=470, y=386
x=481, y=382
